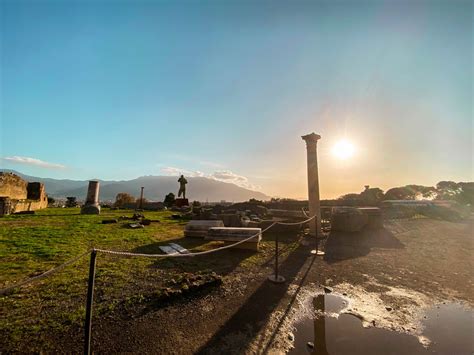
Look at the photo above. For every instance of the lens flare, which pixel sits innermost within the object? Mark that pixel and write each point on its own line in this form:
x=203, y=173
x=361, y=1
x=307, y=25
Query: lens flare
x=343, y=149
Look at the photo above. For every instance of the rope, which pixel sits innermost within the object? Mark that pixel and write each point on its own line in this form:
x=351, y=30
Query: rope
x=295, y=223
x=305, y=213
x=47, y=273
x=124, y=253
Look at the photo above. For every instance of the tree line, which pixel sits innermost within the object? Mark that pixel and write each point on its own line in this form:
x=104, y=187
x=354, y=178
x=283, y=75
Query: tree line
x=461, y=192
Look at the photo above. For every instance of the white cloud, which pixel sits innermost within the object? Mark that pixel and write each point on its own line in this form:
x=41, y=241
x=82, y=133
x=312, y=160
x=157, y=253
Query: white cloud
x=173, y=171
x=34, y=161
x=229, y=176
x=221, y=175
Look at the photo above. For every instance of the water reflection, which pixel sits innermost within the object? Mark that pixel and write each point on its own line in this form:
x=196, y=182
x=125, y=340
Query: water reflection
x=449, y=327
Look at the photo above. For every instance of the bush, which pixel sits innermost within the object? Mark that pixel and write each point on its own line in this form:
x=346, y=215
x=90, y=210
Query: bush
x=123, y=198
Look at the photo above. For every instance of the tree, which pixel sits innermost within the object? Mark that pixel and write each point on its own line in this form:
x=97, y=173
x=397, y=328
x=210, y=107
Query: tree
x=169, y=200
x=347, y=197
x=399, y=193
x=71, y=201
x=466, y=196
x=371, y=196
x=123, y=198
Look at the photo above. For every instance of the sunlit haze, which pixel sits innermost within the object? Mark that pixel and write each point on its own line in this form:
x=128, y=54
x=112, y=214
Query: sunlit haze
x=343, y=149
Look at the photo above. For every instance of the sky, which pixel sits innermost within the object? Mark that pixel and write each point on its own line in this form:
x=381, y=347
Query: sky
x=225, y=89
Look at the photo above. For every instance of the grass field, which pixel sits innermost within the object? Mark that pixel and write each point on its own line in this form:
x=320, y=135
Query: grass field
x=33, y=244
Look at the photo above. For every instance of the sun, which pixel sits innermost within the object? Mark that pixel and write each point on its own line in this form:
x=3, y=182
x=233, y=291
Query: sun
x=343, y=149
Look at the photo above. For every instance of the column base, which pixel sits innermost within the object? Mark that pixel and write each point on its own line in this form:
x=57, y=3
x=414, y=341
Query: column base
x=90, y=209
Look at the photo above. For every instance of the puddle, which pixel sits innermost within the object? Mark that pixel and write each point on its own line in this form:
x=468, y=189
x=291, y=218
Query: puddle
x=448, y=327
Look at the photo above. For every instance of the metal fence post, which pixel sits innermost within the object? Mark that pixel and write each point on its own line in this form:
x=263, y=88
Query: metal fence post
x=90, y=300
x=276, y=278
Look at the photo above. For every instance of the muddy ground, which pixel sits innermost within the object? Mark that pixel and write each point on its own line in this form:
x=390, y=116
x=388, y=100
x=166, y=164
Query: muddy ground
x=409, y=266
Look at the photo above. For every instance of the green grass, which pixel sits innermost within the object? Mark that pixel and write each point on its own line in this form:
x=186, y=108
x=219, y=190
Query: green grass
x=33, y=244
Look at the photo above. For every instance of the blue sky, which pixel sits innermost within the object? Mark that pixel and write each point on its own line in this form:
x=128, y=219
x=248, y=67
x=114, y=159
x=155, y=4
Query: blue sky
x=225, y=89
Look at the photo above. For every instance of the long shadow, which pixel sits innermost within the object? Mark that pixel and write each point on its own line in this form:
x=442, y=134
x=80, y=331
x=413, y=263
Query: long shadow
x=345, y=245
x=222, y=262
x=289, y=307
x=258, y=307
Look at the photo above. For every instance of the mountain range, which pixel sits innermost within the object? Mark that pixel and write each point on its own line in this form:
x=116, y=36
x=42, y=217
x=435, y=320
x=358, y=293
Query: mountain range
x=155, y=188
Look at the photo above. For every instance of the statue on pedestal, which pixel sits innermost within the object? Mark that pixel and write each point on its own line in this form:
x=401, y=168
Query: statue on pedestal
x=182, y=186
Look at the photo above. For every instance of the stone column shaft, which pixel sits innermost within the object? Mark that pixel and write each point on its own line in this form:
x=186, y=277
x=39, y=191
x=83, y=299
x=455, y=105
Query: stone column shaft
x=313, y=183
x=93, y=193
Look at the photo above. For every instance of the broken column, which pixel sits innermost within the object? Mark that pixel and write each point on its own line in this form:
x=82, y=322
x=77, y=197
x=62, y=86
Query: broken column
x=313, y=183
x=92, y=201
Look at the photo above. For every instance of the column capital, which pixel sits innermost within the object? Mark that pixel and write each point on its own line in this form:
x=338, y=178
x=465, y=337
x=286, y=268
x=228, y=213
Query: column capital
x=311, y=138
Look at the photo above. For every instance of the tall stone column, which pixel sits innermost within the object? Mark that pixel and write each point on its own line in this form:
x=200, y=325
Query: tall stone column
x=313, y=183
x=92, y=200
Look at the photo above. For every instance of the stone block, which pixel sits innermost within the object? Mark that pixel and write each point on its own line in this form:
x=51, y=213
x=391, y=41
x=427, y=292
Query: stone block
x=230, y=235
x=375, y=218
x=348, y=219
x=199, y=228
x=230, y=219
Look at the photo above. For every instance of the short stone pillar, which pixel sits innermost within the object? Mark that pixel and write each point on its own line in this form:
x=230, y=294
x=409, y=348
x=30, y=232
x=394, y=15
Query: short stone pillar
x=313, y=183
x=92, y=201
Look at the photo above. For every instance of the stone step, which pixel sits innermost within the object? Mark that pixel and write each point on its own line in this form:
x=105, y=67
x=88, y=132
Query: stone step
x=199, y=228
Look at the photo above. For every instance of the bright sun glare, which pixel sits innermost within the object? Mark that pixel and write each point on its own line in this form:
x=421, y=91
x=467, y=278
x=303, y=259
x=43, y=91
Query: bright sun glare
x=343, y=149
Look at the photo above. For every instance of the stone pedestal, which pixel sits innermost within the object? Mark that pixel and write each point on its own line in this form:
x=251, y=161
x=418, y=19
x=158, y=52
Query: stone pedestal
x=181, y=202
x=313, y=183
x=92, y=201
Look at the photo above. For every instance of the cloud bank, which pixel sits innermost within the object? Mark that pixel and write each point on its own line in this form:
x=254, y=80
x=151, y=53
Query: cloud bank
x=33, y=161
x=220, y=175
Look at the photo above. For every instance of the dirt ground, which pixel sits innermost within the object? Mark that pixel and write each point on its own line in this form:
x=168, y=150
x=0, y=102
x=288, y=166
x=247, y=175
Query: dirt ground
x=409, y=265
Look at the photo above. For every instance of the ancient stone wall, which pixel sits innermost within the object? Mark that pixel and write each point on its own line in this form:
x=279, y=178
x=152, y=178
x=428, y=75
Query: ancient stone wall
x=28, y=205
x=17, y=195
x=13, y=186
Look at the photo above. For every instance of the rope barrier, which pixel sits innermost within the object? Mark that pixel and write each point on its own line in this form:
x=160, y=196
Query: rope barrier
x=124, y=253
x=47, y=273
x=295, y=223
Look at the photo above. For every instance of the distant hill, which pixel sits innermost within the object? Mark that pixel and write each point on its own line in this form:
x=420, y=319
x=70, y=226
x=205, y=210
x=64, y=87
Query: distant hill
x=156, y=187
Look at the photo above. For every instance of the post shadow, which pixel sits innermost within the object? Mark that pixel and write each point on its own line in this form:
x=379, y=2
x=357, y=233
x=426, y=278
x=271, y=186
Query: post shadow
x=261, y=304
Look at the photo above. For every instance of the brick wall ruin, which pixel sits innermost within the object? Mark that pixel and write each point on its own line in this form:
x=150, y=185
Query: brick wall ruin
x=18, y=195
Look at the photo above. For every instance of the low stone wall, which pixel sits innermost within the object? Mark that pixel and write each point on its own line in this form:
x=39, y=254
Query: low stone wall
x=29, y=205
x=9, y=206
